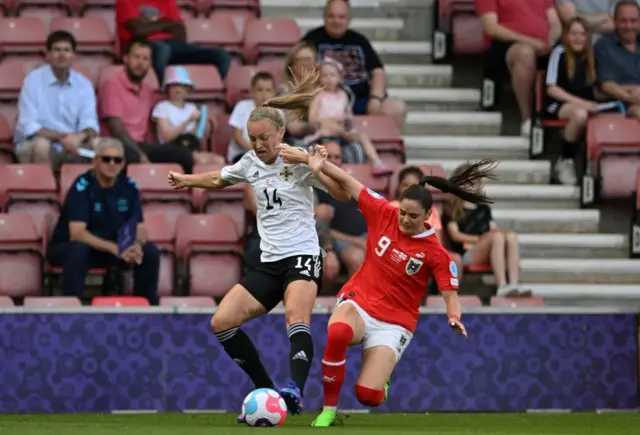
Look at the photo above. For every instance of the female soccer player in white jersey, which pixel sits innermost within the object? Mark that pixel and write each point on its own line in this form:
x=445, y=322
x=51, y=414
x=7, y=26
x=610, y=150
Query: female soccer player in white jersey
x=291, y=261
x=379, y=306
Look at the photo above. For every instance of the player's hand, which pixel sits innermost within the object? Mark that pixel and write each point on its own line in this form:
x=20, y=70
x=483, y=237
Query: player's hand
x=292, y=155
x=457, y=326
x=317, y=157
x=177, y=180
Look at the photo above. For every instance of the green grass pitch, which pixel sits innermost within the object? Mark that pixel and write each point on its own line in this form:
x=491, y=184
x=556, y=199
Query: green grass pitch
x=375, y=424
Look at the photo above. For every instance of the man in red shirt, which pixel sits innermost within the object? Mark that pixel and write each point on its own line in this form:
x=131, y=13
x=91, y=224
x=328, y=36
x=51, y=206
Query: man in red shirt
x=518, y=34
x=125, y=102
x=159, y=21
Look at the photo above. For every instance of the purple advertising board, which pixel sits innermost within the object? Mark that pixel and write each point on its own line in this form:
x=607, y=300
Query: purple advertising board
x=103, y=362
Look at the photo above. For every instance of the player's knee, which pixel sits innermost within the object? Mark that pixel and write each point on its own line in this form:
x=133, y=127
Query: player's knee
x=511, y=237
x=220, y=322
x=296, y=315
x=339, y=334
x=497, y=239
x=368, y=396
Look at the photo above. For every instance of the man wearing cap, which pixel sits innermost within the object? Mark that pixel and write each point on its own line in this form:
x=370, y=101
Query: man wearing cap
x=159, y=21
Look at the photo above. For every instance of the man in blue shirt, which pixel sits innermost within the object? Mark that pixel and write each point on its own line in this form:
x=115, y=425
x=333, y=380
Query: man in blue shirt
x=57, y=108
x=101, y=225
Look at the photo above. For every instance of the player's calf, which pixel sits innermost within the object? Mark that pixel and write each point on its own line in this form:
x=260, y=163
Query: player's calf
x=368, y=396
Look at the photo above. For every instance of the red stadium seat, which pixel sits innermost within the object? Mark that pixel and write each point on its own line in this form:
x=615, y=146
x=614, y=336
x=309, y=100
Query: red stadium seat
x=156, y=193
x=467, y=34
x=383, y=132
x=270, y=37
x=105, y=14
x=638, y=189
x=30, y=189
x=49, y=302
x=187, y=302
x=239, y=80
x=203, y=198
x=160, y=232
x=208, y=233
x=119, y=301
x=240, y=17
x=6, y=133
x=224, y=133
x=435, y=170
x=6, y=302
x=465, y=301
x=92, y=34
x=12, y=76
x=45, y=11
x=21, y=259
x=109, y=70
x=210, y=247
x=215, y=31
x=206, y=6
x=613, y=146
x=478, y=268
x=22, y=35
x=208, y=84
x=68, y=174
x=364, y=174
x=497, y=301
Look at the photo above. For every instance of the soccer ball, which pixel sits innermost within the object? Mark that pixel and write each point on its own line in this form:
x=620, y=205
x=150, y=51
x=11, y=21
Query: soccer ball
x=264, y=408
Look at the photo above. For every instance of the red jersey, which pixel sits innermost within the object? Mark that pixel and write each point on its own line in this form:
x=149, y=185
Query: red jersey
x=155, y=10
x=392, y=281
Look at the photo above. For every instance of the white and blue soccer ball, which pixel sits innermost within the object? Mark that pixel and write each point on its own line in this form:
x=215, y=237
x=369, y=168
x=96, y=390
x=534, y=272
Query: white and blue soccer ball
x=264, y=408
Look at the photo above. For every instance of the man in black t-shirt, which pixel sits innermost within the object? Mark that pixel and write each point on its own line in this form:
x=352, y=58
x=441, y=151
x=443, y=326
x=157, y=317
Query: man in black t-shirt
x=348, y=226
x=363, y=70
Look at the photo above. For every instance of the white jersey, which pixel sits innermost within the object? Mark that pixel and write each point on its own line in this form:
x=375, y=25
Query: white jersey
x=284, y=195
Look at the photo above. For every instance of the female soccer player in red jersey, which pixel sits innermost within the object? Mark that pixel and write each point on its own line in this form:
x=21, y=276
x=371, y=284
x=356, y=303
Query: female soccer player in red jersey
x=379, y=306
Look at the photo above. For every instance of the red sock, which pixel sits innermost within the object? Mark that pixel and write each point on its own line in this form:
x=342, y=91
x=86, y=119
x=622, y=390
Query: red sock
x=368, y=396
x=333, y=362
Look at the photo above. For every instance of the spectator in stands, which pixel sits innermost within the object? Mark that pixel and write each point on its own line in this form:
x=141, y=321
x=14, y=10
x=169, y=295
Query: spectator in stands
x=159, y=21
x=618, y=55
x=178, y=122
x=597, y=14
x=348, y=226
x=124, y=104
x=519, y=36
x=476, y=237
x=410, y=176
x=571, y=77
x=331, y=111
x=263, y=87
x=57, y=108
x=101, y=226
x=364, y=71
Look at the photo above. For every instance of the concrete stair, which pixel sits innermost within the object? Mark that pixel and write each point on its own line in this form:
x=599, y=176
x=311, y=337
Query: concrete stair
x=563, y=255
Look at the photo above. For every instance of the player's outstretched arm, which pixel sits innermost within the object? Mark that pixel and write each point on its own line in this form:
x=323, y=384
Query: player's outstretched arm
x=454, y=311
x=350, y=184
x=205, y=180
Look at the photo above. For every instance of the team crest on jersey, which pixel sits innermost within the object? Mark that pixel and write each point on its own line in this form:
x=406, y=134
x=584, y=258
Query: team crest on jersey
x=413, y=266
x=286, y=173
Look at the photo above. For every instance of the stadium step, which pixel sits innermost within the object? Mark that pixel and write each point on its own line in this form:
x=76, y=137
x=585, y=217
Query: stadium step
x=565, y=221
x=453, y=123
x=376, y=29
x=588, y=291
x=588, y=271
x=533, y=196
x=437, y=100
x=552, y=245
x=507, y=171
x=412, y=52
x=431, y=76
x=442, y=147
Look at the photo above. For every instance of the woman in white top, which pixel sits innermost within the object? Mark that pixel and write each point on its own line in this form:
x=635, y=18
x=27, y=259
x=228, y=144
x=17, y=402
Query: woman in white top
x=290, y=266
x=178, y=121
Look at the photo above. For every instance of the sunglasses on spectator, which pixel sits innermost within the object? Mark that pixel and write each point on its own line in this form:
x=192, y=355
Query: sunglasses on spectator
x=109, y=159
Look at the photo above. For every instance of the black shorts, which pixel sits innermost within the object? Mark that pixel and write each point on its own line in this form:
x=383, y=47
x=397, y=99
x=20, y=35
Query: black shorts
x=268, y=281
x=496, y=60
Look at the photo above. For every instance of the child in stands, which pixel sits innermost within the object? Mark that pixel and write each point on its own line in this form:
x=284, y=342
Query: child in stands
x=333, y=106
